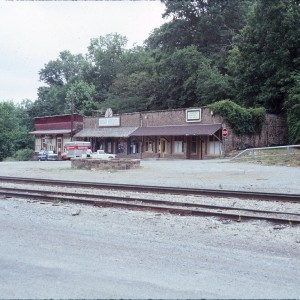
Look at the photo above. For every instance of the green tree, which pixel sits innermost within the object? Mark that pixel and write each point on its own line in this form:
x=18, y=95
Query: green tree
x=58, y=74
x=63, y=70
x=267, y=54
x=134, y=84
x=211, y=84
x=14, y=134
x=51, y=101
x=210, y=25
x=186, y=78
x=293, y=108
x=104, y=55
x=82, y=95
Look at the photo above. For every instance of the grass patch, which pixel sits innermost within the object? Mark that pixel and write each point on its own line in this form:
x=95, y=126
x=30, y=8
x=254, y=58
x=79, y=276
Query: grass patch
x=273, y=157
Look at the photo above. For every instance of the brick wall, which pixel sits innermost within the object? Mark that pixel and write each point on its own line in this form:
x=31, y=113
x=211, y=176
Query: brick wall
x=176, y=117
x=156, y=118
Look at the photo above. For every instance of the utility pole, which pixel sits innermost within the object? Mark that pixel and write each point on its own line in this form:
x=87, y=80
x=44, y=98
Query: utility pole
x=72, y=118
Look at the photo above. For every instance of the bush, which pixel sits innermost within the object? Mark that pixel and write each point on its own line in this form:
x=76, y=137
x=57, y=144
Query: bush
x=242, y=120
x=24, y=155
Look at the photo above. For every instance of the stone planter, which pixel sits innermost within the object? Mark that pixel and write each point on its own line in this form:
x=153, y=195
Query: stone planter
x=101, y=164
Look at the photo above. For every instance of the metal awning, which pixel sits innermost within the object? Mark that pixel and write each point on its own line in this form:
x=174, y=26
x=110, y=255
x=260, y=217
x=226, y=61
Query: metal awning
x=54, y=131
x=176, y=130
x=105, y=132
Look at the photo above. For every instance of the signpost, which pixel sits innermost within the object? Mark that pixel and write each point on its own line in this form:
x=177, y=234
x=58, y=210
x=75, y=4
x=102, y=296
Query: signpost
x=224, y=134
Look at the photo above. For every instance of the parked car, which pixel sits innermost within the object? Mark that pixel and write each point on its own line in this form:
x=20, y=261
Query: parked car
x=47, y=155
x=102, y=155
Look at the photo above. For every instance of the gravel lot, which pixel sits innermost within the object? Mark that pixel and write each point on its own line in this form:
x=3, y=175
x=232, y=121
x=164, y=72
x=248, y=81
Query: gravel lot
x=215, y=174
x=47, y=251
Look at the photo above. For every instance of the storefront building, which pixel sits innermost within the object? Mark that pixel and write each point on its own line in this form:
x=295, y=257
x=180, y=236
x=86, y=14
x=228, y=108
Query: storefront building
x=180, y=133
x=52, y=132
x=192, y=133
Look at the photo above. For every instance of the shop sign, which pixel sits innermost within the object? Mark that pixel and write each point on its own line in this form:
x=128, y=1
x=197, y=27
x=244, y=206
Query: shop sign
x=106, y=122
x=193, y=115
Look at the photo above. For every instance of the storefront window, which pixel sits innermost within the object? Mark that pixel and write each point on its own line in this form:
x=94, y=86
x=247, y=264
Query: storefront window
x=148, y=145
x=178, y=145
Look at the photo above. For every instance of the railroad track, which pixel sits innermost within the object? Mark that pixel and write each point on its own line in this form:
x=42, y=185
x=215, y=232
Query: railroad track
x=140, y=203
x=156, y=189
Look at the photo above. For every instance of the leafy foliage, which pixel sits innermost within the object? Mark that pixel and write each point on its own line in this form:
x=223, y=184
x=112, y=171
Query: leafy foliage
x=294, y=124
x=210, y=25
x=63, y=70
x=242, y=120
x=82, y=94
x=267, y=54
x=24, y=155
x=13, y=133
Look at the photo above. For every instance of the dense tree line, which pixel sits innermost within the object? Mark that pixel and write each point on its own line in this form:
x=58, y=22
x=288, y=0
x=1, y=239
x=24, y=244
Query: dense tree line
x=14, y=125
x=242, y=51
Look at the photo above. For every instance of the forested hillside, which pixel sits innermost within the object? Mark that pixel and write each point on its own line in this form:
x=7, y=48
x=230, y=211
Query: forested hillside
x=244, y=51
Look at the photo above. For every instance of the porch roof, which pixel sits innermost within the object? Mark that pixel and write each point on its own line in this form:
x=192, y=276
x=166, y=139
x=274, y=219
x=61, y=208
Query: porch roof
x=106, y=132
x=175, y=130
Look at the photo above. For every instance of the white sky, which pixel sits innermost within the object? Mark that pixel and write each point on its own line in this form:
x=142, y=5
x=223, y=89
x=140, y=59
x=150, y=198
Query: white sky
x=34, y=32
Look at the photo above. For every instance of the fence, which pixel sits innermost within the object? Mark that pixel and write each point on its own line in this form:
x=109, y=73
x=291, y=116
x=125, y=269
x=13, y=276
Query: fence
x=269, y=151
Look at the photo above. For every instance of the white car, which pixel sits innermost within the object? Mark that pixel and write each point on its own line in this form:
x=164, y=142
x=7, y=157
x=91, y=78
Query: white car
x=100, y=154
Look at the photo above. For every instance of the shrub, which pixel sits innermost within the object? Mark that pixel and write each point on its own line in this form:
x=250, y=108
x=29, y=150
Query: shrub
x=24, y=155
x=242, y=120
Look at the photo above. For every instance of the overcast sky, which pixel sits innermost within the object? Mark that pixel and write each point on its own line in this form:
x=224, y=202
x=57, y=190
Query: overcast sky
x=34, y=32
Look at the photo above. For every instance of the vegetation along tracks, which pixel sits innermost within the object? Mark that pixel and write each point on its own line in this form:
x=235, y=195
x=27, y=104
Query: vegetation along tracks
x=181, y=207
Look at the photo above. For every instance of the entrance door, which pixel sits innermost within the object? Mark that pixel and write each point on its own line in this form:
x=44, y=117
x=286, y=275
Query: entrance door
x=59, y=145
x=163, y=147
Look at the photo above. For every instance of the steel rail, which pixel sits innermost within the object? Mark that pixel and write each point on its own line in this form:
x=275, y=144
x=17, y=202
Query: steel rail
x=17, y=191
x=159, y=189
x=153, y=205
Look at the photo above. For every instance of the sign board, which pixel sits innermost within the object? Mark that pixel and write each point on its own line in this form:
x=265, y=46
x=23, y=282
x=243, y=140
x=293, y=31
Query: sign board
x=113, y=121
x=193, y=115
x=224, y=132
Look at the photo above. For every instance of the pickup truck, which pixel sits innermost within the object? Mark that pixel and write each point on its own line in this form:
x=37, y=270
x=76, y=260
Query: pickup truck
x=100, y=154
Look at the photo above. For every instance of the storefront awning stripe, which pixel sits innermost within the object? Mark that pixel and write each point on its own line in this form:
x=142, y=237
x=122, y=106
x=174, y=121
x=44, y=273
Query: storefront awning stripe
x=176, y=130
